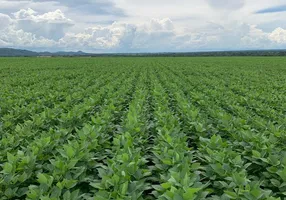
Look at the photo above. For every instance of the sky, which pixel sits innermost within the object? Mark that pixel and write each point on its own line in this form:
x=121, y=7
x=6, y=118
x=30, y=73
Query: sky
x=123, y=26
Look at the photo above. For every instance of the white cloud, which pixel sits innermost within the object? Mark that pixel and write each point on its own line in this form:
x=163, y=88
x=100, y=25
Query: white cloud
x=56, y=16
x=226, y=4
x=27, y=29
x=124, y=36
x=160, y=25
x=19, y=38
x=5, y=21
x=278, y=36
x=255, y=38
x=25, y=14
x=51, y=25
x=96, y=37
x=3, y=43
x=55, y=29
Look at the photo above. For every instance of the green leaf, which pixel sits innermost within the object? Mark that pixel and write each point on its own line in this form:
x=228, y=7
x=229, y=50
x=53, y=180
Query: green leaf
x=42, y=179
x=55, y=193
x=282, y=174
x=177, y=197
x=9, y=193
x=190, y=193
x=46, y=198
x=75, y=195
x=7, y=168
x=60, y=185
x=239, y=179
x=167, y=161
x=123, y=173
x=70, y=183
x=158, y=187
x=33, y=193
x=67, y=195
x=169, y=139
x=256, y=154
x=70, y=152
x=23, y=177
x=97, y=186
x=275, y=182
x=256, y=193
x=195, y=166
x=11, y=158
x=124, y=188
x=166, y=185
x=230, y=194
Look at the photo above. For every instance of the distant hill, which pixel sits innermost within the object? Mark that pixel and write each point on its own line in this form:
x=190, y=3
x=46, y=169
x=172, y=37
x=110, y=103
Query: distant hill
x=64, y=53
x=9, y=52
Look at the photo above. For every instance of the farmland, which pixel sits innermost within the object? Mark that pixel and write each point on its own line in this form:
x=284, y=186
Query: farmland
x=143, y=128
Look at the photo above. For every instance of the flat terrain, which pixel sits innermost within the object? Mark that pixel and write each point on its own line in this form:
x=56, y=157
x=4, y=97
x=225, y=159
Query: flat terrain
x=143, y=128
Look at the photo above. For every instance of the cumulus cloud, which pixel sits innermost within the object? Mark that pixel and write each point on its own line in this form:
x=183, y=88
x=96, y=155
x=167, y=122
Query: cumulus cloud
x=155, y=35
x=51, y=25
x=163, y=35
x=255, y=38
x=18, y=38
x=51, y=30
x=100, y=7
x=160, y=25
x=56, y=16
x=97, y=37
x=27, y=28
x=123, y=36
x=278, y=36
x=5, y=21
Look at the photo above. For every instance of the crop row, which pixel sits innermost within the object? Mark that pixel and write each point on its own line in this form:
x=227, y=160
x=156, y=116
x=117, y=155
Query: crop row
x=142, y=128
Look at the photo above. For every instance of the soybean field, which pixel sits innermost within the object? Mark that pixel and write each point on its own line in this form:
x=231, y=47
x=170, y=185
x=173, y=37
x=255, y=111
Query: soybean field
x=128, y=128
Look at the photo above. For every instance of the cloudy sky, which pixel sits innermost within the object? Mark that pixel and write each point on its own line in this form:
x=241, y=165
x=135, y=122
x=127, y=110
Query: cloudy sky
x=142, y=25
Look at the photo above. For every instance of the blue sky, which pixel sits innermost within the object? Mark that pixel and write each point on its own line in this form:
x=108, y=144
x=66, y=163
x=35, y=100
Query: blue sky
x=275, y=9
x=142, y=26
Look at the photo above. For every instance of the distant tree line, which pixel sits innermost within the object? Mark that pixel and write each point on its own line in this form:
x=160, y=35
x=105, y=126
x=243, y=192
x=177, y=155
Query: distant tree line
x=8, y=52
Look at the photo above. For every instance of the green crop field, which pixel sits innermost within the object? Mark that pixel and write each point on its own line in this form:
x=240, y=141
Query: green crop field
x=143, y=128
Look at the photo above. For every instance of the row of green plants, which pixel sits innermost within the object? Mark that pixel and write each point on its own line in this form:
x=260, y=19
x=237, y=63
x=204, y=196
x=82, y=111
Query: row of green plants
x=142, y=128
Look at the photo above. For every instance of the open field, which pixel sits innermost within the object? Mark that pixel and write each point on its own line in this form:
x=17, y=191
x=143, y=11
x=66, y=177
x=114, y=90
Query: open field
x=143, y=128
